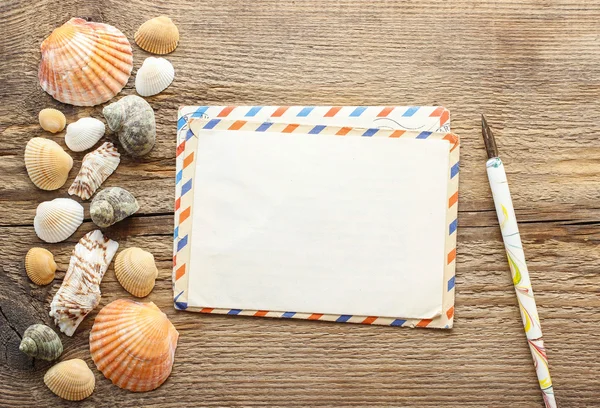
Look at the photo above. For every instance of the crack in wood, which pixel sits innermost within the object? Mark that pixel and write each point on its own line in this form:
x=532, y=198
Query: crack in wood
x=9, y=324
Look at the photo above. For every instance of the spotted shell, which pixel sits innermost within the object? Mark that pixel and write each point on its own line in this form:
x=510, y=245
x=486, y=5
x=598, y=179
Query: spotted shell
x=40, y=266
x=47, y=164
x=96, y=167
x=136, y=271
x=158, y=35
x=84, y=134
x=40, y=341
x=52, y=120
x=71, y=380
x=58, y=219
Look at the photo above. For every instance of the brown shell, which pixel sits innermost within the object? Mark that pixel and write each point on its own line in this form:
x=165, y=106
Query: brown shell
x=71, y=380
x=158, y=35
x=136, y=271
x=40, y=266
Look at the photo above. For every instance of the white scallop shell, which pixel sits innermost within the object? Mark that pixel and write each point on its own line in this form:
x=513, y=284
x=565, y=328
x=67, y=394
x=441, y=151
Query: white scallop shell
x=154, y=76
x=84, y=134
x=58, y=219
x=96, y=167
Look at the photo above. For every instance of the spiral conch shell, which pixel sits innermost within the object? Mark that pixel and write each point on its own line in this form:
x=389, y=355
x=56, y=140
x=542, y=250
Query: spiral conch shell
x=71, y=380
x=40, y=341
x=155, y=75
x=85, y=63
x=96, y=167
x=84, y=134
x=136, y=271
x=133, y=344
x=40, y=266
x=58, y=219
x=158, y=35
x=132, y=119
x=47, y=164
x=79, y=293
x=112, y=205
x=52, y=120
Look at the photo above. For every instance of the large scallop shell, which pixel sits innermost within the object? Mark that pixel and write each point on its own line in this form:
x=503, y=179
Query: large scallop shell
x=80, y=293
x=136, y=271
x=97, y=166
x=40, y=341
x=85, y=63
x=52, y=120
x=71, y=380
x=58, y=219
x=133, y=344
x=158, y=35
x=84, y=134
x=154, y=76
x=47, y=164
x=40, y=266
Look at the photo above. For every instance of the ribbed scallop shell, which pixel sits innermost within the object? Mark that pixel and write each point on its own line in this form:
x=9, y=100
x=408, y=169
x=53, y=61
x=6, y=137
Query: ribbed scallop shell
x=40, y=266
x=52, y=120
x=84, y=134
x=85, y=63
x=96, y=167
x=133, y=344
x=154, y=76
x=58, y=219
x=71, y=380
x=40, y=341
x=136, y=271
x=47, y=164
x=158, y=35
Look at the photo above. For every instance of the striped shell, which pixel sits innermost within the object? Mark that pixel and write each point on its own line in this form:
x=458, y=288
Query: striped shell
x=52, y=120
x=155, y=75
x=40, y=266
x=71, y=380
x=136, y=271
x=133, y=344
x=97, y=166
x=58, y=219
x=85, y=63
x=40, y=341
x=84, y=134
x=158, y=35
x=47, y=164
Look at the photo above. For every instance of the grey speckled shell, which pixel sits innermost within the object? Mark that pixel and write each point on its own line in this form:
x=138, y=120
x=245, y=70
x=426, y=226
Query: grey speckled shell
x=132, y=119
x=112, y=205
x=40, y=341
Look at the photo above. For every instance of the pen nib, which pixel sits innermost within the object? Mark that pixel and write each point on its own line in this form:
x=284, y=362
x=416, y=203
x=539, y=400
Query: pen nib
x=488, y=139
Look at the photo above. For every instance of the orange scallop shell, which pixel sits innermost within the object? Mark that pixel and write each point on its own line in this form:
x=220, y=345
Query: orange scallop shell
x=133, y=344
x=85, y=63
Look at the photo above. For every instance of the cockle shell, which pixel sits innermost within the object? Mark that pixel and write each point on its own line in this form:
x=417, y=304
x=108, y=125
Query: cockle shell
x=80, y=293
x=58, y=219
x=112, y=205
x=96, y=167
x=40, y=341
x=158, y=35
x=71, y=380
x=132, y=119
x=133, y=344
x=47, y=164
x=40, y=266
x=52, y=120
x=85, y=63
x=84, y=134
x=154, y=76
x=136, y=271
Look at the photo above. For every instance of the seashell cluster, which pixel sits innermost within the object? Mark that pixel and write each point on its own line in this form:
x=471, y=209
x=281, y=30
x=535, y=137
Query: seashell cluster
x=84, y=134
x=47, y=164
x=85, y=63
x=40, y=341
x=58, y=219
x=96, y=167
x=71, y=380
x=158, y=35
x=133, y=344
x=52, y=120
x=112, y=205
x=136, y=271
x=40, y=266
x=154, y=76
x=79, y=293
x=132, y=119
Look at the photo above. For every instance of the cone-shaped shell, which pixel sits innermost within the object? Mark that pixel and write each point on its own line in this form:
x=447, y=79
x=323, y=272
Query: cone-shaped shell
x=84, y=134
x=40, y=341
x=136, y=271
x=158, y=35
x=112, y=205
x=154, y=76
x=133, y=344
x=85, y=63
x=40, y=266
x=58, y=219
x=52, y=120
x=71, y=380
x=96, y=167
x=47, y=164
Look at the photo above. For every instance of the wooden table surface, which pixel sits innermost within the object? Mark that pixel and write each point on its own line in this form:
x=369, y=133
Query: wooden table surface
x=533, y=67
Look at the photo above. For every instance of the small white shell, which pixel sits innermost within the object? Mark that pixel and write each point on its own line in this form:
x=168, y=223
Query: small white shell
x=84, y=134
x=58, y=219
x=154, y=76
x=96, y=167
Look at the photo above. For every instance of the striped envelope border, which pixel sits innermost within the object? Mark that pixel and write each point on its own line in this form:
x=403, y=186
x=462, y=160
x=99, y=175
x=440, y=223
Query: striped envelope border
x=186, y=147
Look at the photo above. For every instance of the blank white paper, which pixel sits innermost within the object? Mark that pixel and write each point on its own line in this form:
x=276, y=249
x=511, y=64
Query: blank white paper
x=319, y=224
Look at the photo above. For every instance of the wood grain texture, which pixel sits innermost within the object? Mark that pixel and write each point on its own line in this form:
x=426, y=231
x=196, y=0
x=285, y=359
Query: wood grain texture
x=533, y=67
